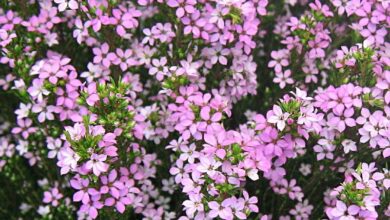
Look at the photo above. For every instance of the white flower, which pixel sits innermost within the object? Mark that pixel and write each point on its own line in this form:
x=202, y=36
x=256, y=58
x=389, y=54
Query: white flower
x=22, y=147
x=300, y=94
x=23, y=111
x=54, y=146
x=51, y=39
x=348, y=145
x=169, y=215
x=279, y=118
x=76, y=132
x=63, y=4
x=43, y=182
x=305, y=169
x=19, y=84
x=169, y=185
x=37, y=67
x=43, y=210
x=24, y=207
x=252, y=174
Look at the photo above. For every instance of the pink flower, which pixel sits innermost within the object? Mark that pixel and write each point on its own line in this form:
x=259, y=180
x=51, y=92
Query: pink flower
x=343, y=212
x=320, y=42
x=191, y=68
x=279, y=60
x=92, y=208
x=340, y=5
x=126, y=20
x=24, y=128
x=23, y=111
x=223, y=211
x=67, y=160
x=373, y=36
x=159, y=68
x=318, y=6
x=250, y=202
x=93, y=97
x=45, y=112
x=302, y=210
x=103, y=56
x=81, y=185
x=193, y=205
x=6, y=38
x=324, y=149
x=374, y=132
x=54, y=146
x=208, y=165
x=52, y=197
x=217, y=54
x=183, y=6
x=215, y=144
x=178, y=171
x=340, y=121
x=96, y=163
x=76, y=132
x=283, y=78
x=189, y=153
x=124, y=59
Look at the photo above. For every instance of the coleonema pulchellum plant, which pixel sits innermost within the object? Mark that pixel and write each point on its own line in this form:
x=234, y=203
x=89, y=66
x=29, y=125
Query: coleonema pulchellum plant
x=195, y=109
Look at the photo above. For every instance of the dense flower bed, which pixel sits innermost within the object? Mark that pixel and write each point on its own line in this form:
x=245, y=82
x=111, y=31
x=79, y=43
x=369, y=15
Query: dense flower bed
x=194, y=109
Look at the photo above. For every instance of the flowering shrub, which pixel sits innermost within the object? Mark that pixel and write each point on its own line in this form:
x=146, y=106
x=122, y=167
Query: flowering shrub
x=195, y=109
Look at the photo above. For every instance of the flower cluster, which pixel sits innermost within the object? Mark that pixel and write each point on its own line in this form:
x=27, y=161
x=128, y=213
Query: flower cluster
x=358, y=196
